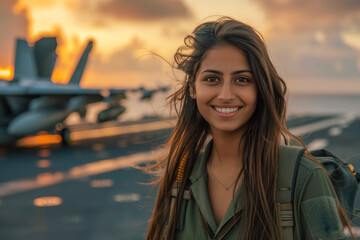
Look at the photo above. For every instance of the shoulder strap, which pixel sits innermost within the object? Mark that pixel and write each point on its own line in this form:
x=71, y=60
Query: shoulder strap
x=174, y=197
x=288, y=168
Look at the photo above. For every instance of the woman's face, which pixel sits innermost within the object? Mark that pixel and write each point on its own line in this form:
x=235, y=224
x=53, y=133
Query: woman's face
x=225, y=90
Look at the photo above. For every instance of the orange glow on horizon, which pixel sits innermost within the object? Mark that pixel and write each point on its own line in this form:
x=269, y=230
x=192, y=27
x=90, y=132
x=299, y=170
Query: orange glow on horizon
x=6, y=73
x=59, y=77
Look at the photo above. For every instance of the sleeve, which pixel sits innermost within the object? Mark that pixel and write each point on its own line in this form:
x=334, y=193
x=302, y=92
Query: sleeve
x=318, y=208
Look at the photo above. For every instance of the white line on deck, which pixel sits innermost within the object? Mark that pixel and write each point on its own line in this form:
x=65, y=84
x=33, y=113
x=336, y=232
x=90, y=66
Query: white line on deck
x=317, y=126
x=317, y=144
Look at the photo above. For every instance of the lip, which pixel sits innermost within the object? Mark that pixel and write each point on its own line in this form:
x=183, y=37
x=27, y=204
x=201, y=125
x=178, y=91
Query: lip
x=228, y=114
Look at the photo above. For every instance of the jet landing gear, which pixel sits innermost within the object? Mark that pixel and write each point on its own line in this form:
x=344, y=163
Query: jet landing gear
x=65, y=136
x=64, y=132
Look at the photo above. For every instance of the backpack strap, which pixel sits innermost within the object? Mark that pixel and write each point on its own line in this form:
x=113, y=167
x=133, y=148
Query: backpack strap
x=288, y=167
x=174, y=198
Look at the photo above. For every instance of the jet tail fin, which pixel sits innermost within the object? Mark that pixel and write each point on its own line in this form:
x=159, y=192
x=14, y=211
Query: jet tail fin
x=25, y=63
x=45, y=56
x=35, y=62
x=78, y=72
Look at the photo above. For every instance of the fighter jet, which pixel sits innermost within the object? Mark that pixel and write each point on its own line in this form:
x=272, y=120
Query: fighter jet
x=31, y=103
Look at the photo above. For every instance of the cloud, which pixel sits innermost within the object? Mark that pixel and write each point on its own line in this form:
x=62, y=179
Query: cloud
x=309, y=56
x=306, y=40
x=303, y=15
x=133, y=10
x=144, y=9
x=132, y=65
x=128, y=58
x=321, y=7
x=12, y=25
x=40, y=3
x=173, y=30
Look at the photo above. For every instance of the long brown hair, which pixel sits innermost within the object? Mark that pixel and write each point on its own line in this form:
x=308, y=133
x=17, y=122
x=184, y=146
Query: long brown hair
x=261, y=140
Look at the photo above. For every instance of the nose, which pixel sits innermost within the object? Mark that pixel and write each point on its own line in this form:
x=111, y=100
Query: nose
x=226, y=91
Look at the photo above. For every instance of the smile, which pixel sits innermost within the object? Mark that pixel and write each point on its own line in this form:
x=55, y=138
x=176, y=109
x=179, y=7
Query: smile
x=226, y=110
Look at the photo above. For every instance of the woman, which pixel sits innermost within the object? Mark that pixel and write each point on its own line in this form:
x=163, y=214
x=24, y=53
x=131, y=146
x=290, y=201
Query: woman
x=232, y=93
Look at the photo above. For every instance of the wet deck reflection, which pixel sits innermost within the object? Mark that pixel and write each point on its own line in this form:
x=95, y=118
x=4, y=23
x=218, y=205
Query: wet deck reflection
x=77, y=172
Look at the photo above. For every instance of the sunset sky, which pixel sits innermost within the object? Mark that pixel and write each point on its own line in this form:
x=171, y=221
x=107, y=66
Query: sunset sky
x=315, y=44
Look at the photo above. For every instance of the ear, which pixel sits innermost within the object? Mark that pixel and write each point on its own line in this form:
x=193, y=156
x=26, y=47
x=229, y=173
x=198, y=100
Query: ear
x=192, y=91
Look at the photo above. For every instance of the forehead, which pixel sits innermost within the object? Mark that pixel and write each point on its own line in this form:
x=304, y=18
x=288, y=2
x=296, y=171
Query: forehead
x=225, y=58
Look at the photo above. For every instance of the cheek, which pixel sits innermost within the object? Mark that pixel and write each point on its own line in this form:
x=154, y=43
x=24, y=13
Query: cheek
x=201, y=102
x=250, y=96
x=203, y=93
x=203, y=99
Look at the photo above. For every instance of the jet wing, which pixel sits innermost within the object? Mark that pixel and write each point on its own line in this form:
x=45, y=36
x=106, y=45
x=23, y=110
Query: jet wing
x=62, y=90
x=69, y=89
x=16, y=90
x=9, y=90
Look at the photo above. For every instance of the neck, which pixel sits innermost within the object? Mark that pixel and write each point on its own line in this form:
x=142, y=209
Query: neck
x=226, y=149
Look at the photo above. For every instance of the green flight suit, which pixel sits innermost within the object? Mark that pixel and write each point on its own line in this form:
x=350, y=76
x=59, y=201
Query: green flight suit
x=315, y=207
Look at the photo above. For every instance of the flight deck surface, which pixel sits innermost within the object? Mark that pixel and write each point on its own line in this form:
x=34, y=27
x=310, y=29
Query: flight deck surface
x=90, y=190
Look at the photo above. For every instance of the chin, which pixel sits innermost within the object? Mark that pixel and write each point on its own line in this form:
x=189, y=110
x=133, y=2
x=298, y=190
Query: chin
x=229, y=129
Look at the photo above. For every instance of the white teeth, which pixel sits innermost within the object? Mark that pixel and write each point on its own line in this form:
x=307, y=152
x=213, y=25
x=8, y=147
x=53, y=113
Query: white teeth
x=226, y=110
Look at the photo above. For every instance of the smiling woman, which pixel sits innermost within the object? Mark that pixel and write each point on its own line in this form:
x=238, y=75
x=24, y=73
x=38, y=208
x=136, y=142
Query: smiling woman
x=233, y=94
x=225, y=90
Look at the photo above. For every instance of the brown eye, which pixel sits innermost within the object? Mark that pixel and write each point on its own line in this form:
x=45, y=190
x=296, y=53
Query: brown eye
x=242, y=80
x=211, y=79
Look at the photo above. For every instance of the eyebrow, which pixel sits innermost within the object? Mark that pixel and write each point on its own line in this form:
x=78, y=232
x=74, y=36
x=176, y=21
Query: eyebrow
x=220, y=73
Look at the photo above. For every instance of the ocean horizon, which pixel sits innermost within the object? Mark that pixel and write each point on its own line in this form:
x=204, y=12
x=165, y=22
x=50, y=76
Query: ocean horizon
x=324, y=104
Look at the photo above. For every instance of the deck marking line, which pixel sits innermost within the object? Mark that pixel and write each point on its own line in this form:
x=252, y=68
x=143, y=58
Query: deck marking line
x=317, y=126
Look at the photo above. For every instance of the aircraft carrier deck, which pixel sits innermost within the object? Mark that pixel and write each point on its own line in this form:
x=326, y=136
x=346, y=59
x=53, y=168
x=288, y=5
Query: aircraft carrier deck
x=90, y=190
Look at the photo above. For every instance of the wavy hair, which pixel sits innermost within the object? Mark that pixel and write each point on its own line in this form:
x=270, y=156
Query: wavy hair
x=261, y=140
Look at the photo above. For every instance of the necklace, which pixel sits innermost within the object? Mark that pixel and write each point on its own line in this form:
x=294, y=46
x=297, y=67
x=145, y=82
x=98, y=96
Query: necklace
x=227, y=188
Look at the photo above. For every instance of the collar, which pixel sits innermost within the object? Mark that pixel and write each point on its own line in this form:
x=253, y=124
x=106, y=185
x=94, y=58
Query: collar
x=199, y=179
x=199, y=168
